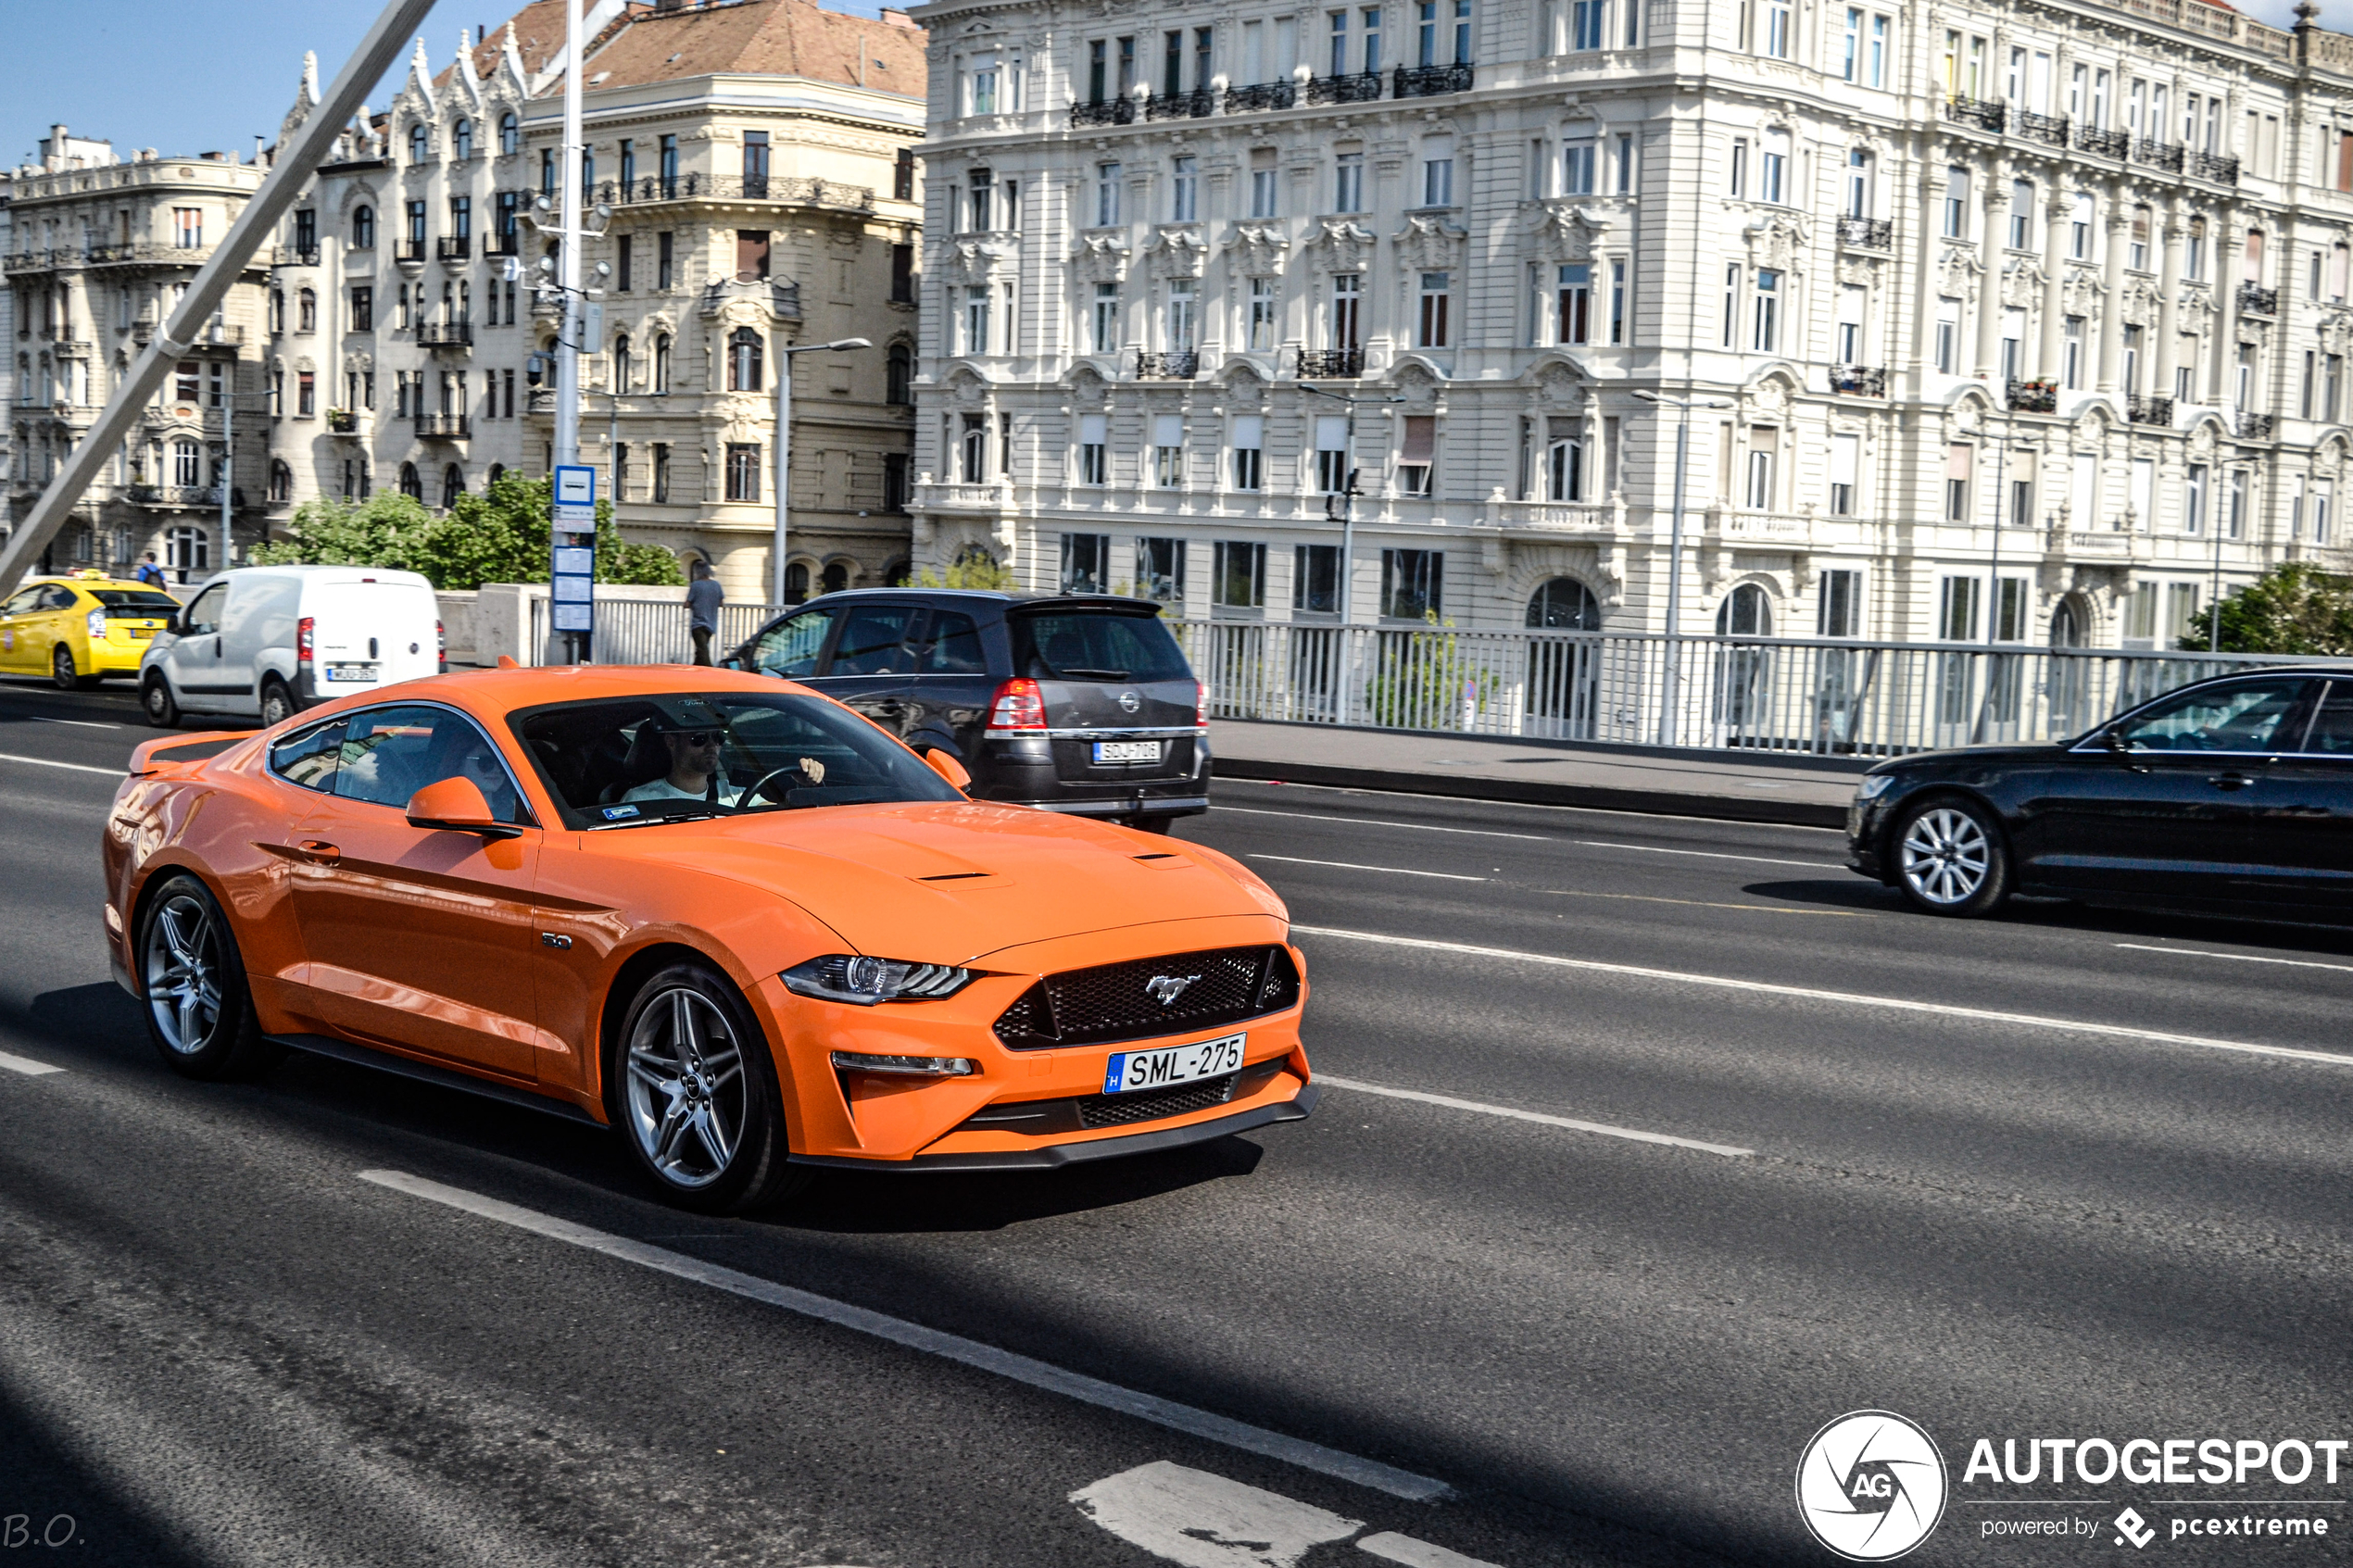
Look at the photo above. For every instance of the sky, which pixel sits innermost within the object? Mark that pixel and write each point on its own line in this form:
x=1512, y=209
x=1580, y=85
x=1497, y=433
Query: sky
x=192, y=76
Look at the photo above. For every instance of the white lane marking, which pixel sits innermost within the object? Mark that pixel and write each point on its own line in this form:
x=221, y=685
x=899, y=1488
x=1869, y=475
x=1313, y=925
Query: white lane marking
x=1521, y=806
x=1205, y=1520
x=1604, y=1128
x=2035, y=1021
x=1368, y=823
x=27, y=1066
x=955, y=1348
x=1712, y=854
x=78, y=723
x=2242, y=958
x=1351, y=866
x=75, y=766
x=1395, y=1548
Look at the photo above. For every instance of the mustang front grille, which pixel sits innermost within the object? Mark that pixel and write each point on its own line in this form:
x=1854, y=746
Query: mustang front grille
x=1142, y=999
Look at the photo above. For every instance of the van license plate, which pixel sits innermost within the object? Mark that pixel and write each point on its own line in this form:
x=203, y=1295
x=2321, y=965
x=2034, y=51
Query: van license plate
x=351, y=672
x=1126, y=751
x=1130, y=1071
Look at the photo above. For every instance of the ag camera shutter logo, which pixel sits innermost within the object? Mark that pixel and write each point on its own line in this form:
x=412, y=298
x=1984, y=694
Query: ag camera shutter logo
x=1872, y=1485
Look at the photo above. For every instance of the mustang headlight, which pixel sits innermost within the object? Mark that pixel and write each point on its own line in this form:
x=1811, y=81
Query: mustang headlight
x=906, y=1066
x=1873, y=786
x=851, y=977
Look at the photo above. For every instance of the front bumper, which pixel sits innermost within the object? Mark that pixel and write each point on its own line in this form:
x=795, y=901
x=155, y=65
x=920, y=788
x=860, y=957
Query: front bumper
x=1053, y=1157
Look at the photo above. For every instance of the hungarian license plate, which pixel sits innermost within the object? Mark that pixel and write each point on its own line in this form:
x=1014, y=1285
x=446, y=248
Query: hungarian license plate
x=1130, y=1071
x=351, y=672
x=1127, y=751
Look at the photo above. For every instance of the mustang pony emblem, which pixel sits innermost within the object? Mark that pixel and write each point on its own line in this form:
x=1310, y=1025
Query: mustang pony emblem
x=1167, y=988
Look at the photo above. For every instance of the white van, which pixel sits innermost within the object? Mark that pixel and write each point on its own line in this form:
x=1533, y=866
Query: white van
x=268, y=641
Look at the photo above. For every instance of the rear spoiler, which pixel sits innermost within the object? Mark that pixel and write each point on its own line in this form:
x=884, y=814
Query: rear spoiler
x=148, y=758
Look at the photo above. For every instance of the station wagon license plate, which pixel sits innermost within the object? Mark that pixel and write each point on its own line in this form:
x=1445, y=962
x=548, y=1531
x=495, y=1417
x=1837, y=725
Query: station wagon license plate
x=351, y=672
x=1127, y=751
x=1130, y=1071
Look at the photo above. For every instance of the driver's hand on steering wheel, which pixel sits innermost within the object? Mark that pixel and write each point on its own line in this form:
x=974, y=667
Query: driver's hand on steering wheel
x=812, y=769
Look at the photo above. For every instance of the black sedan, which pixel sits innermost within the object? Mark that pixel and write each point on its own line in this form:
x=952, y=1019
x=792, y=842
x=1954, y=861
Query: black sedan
x=2232, y=796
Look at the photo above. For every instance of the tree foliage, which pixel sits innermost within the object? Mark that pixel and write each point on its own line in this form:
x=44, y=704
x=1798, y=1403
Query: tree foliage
x=498, y=536
x=2296, y=608
x=975, y=568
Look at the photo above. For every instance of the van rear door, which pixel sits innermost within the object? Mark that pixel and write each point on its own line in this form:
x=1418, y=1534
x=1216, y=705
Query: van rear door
x=367, y=632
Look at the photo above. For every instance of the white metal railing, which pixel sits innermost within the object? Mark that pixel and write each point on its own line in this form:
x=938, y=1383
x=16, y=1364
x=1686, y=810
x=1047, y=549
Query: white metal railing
x=1767, y=694
x=633, y=630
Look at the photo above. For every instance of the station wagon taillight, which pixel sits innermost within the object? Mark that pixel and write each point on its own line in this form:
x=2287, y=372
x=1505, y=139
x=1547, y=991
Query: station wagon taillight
x=1200, y=705
x=1019, y=704
x=302, y=638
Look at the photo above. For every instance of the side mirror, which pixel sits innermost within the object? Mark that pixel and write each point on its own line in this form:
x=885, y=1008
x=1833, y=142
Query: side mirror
x=948, y=768
x=457, y=805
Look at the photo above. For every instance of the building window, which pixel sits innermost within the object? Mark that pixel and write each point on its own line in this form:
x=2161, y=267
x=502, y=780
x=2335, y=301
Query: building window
x=743, y=471
x=1085, y=559
x=1617, y=323
x=1431, y=328
x=1250, y=440
x=307, y=311
x=976, y=317
x=899, y=375
x=1348, y=300
x=1839, y=612
x=1957, y=204
x=1412, y=585
x=1574, y=303
x=1948, y=336
x=1348, y=182
x=412, y=485
x=187, y=227
x=1263, y=316
x=1237, y=574
x=1106, y=195
x=745, y=354
x=305, y=394
x=1766, y=318
x=1764, y=447
x=2071, y=354
x=661, y=260
x=1438, y=182
x=2021, y=215
x=1184, y=183
x=363, y=309
x=902, y=175
x=1772, y=169
x=2194, y=500
x=1564, y=462
x=1417, y=454
x=973, y=449
x=1263, y=190
x=1168, y=451
x=510, y=134
x=1577, y=168
x=1846, y=455
x=1314, y=581
x=1159, y=570
x=453, y=480
x=1331, y=454
x=752, y=255
x=661, y=472
x=1958, y=458
x=661, y=364
x=1104, y=318
x=624, y=252
x=417, y=144
x=1094, y=467
x=277, y=314
x=902, y=274
x=1584, y=25
x=1745, y=612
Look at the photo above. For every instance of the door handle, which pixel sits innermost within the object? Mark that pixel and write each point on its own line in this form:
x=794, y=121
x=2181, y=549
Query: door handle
x=2230, y=780
x=318, y=849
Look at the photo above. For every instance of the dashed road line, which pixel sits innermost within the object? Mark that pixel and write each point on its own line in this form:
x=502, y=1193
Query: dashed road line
x=1710, y=903
x=1202, y=1520
x=1351, y=866
x=1852, y=998
x=1393, y=1548
x=1370, y=822
x=1604, y=1128
x=1712, y=854
x=2241, y=958
x=27, y=1066
x=931, y=1341
x=70, y=767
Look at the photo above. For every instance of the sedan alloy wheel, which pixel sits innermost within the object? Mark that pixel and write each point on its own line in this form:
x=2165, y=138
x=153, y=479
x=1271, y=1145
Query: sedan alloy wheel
x=1950, y=860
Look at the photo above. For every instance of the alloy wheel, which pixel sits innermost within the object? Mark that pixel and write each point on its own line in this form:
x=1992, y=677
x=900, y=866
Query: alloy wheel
x=184, y=965
x=686, y=1087
x=61, y=671
x=1945, y=856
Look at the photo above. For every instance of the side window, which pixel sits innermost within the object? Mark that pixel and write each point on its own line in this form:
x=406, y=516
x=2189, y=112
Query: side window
x=204, y=610
x=308, y=758
x=871, y=636
x=2332, y=732
x=791, y=647
x=2240, y=718
x=56, y=597
x=955, y=646
x=22, y=604
x=388, y=754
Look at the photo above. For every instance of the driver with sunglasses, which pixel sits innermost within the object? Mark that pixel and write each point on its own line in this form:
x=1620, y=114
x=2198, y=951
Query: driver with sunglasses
x=694, y=770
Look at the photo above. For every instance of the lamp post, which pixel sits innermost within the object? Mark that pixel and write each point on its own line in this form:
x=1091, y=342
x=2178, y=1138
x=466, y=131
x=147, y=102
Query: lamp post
x=1673, y=674
x=1347, y=495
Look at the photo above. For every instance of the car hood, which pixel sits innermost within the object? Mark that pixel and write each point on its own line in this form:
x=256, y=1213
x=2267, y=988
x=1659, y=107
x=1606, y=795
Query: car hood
x=953, y=882
x=1965, y=757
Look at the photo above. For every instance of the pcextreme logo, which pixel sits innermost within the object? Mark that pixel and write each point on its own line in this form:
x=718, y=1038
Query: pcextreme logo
x=1872, y=1485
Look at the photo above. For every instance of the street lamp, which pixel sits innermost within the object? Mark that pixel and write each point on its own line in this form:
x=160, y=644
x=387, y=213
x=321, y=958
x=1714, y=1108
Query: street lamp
x=1667, y=708
x=1347, y=495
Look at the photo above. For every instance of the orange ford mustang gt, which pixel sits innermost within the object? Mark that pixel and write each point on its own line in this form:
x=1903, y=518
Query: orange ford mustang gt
x=725, y=914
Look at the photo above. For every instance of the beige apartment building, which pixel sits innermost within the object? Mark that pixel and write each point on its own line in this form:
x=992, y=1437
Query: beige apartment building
x=752, y=173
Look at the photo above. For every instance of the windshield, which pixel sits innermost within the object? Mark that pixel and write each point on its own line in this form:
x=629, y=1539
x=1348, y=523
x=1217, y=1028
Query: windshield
x=1095, y=645
x=135, y=601
x=628, y=761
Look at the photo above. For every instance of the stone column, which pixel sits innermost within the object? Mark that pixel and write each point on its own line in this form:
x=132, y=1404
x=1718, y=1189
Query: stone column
x=1990, y=200
x=2228, y=267
x=2112, y=295
x=2057, y=212
x=1924, y=295
x=2169, y=297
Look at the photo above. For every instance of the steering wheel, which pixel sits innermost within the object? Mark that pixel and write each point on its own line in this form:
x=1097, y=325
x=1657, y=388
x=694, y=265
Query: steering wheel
x=762, y=783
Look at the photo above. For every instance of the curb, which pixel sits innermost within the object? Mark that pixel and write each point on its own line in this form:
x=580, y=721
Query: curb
x=1730, y=809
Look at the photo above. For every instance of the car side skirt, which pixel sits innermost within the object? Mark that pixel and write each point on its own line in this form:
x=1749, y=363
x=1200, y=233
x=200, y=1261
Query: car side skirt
x=1055, y=1156
x=427, y=1072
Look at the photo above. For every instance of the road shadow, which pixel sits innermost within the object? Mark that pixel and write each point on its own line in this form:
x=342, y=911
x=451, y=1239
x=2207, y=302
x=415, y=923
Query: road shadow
x=1852, y=894
x=2282, y=932
x=54, y=1506
x=98, y=1022
x=852, y=1203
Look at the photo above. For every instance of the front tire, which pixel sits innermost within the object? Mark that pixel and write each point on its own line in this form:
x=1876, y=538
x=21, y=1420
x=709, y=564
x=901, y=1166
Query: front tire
x=63, y=674
x=694, y=1093
x=277, y=703
x=1951, y=859
x=156, y=702
x=199, y=1010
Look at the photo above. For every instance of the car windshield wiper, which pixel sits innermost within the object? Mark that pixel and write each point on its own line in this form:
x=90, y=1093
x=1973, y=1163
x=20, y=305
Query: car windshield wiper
x=649, y=821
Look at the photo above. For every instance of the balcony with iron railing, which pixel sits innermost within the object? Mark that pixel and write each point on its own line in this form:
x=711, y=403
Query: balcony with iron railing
x=2103, y=144
x=2219, y=168
x=443, y=427
x=1859, y=380
x=1261, y=96
x=2157, y=154
x=782, y=298
x=1364, y=87
x=207, y=497
x=792, y=191
x=293, y=256
x=409, y=250
x=501, y=244
x=445, y=335
x=1177, y=365
x=2257, y=427
x=1430, y=82
x=2256, y=300
x=2047, y=128
x=1109, y=111
x=1866, y=233
x=343, y=421
x=1330, y=364
x=1986, y=114
x=1196, y=104
x=2142, y=410
x=455, y=247
x=2034, y=396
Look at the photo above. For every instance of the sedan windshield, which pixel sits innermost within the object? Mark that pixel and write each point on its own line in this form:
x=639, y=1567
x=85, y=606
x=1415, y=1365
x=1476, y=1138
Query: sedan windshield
x=628, y=761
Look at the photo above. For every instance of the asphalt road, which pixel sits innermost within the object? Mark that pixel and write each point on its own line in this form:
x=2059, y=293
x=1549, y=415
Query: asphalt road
x=2053, y=1195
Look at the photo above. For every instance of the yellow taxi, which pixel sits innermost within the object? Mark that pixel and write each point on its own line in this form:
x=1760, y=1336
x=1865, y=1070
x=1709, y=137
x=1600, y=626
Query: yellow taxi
x=81, y=628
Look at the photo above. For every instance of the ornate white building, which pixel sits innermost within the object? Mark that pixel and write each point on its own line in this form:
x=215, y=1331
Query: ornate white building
x=2022, y=320
x=751, y=159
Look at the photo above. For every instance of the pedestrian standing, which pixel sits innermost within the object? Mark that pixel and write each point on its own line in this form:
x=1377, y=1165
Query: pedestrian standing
x=149, y=572
x=704, y=595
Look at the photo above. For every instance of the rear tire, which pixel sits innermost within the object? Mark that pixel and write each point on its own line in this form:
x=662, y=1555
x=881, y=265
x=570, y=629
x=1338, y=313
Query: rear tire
x=63, y=674
x=277, y=703
x=156, y=702
x=1951, y=859
x=690, y=1085
x=199, y=1010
